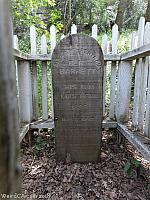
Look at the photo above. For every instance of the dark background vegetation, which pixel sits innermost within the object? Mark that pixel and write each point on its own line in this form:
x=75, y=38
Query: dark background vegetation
x=84, y=13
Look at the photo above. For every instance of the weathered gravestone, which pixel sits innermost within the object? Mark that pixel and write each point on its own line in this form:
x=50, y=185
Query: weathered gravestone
x=77, y=72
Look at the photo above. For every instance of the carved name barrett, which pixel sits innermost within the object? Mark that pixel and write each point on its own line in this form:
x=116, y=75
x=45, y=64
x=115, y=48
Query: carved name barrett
x=77, y=73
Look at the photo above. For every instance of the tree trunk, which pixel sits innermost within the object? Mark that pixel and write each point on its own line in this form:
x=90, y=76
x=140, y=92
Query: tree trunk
x=147, y=15
x=123, y=4
x=9, y=170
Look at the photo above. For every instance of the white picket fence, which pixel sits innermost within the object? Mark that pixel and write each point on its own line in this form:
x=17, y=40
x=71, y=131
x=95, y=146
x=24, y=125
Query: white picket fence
x=122, y=67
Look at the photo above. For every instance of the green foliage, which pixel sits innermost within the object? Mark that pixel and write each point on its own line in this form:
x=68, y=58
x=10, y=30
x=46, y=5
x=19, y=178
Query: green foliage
x=39, y=145
x=148, y=186
x=85, y=13
x=128, y=168
x=124, y=41
x=49, y=88
x=40, y=13
x=132, y=164
x=104, y=13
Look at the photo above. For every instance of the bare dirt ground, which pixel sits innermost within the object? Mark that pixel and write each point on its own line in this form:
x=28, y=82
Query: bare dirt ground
x=45, y=178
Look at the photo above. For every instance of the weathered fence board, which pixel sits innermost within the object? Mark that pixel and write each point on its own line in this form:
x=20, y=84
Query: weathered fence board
x=44, y=79
x=104, y=48
x=139, y=64
x=94, y=31
x=16, y=46
x=147, y=65
x=34, y=73
x=124, y=87
x=52, y=37
x=147, y=120
x=9, y=169
x=115, y=35
x=73, y=29
x=53, y=44
x=144, y=77
x=123, y=91
x=25, y=91
x=77, y=68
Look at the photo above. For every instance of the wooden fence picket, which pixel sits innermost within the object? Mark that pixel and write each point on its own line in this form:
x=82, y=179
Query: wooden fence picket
x=25, y=91
x=23, y=76
x=144, y=77
x=94, y=31
x=16, y=46
x=73, y=29
x=104, y=48
x=115, y=35
x=123, y=91
x=53, y=44
x=147, y=65
x=15, y=42
x=52, y=38
x=34, y=72
x=124, y=87
x=44, y=79
x=139, y=64
x=33, y=40
x=133, y=40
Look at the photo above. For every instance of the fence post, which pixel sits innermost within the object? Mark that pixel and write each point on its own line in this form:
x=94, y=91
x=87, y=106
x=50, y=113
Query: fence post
x=73, y=29
x=135, y=119
x=44, y=79
x=9, y=170
x=34, y=72
x=94, y=31
x=115, y=35
x=53, y=44
x=104, y=47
